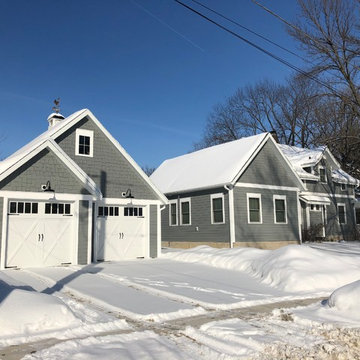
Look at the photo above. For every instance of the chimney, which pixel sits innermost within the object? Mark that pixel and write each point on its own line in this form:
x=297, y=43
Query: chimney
x=274, y=135
x=54, y=119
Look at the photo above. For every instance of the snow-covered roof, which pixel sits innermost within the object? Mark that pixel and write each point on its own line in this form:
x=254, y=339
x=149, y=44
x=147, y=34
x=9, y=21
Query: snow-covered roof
x=315, y=199
x=207, y=168
x=302, y=157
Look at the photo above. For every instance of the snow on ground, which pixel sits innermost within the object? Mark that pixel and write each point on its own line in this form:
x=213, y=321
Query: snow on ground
x=89, y=300
x=293, y=268
x=138, y=345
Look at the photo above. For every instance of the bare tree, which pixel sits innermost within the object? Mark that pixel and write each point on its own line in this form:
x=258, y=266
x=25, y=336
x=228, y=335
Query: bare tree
x=148, y=170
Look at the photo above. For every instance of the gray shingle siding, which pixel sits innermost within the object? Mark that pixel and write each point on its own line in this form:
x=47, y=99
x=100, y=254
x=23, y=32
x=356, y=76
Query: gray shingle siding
x=38, y=170
x=83, y=232
x=153, y=231
x=201, y=229
x=111, y=171
x=268, y=230
x=269, y=168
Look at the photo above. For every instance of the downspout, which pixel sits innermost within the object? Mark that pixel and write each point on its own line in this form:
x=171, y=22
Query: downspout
x=230, y=189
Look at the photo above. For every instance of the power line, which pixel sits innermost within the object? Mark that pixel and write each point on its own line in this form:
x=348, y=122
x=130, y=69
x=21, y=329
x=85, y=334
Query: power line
x=283, y=61
x=250, y=31
x=289, y=24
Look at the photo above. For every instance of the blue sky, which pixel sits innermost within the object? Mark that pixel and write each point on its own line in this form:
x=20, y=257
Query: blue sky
x=149, y=70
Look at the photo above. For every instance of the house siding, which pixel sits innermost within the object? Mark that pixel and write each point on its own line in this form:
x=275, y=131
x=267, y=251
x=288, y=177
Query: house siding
x=201, y=229
x=43, y=167
x=110, y=170
x=269, y=168
x=335, y=230
x=83, y=232
x=153, y=230
x=267, y=231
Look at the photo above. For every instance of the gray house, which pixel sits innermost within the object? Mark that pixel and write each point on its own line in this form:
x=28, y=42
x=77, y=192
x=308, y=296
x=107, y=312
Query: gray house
x=73, y=195
x=241, y=193
x=328, y=205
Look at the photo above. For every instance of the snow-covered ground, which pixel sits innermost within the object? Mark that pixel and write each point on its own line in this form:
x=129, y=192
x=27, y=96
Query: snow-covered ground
x=188, y=303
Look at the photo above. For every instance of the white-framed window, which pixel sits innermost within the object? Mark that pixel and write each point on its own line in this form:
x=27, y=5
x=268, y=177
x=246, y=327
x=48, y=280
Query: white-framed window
x=217, y=209
x=185, y=211
x=341, y=213
x=322, y=174
x=357, y=216
x=84, y=143
x=254, y=208
x=343, y=187
x=280, y=209
x=173, y=213
x=315, y=207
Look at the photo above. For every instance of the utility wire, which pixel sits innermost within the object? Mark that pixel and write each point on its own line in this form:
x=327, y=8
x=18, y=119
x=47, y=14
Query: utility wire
x=289, y=24
x=285, y=62
x=250, y=31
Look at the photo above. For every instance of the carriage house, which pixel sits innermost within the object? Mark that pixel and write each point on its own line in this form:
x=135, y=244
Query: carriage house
x=241, y=193
x=73, y=195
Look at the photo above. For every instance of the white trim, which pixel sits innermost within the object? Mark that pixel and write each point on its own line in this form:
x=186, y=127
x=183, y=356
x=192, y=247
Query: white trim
x=280, y=197
x=300, y=217
x=147, y=214
x=90, y=217
x=232, y=216
x=4, y=233
x=76, y=225
x=183, y=200
x=217, y=196
x=159, y=210
x=126, y=201
x=171, y=202
x=263, y=186
x=337, y=213
x=45, y=196
x=327, y=194
x=307, y=216
x=87, y=133
x=321, y=167
x=257, y=196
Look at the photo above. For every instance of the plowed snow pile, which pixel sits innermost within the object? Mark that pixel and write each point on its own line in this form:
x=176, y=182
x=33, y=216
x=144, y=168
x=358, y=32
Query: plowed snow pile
x=292, y=268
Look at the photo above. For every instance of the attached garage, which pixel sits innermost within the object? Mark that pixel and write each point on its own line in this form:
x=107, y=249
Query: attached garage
x=39, y=233
x=123, y=232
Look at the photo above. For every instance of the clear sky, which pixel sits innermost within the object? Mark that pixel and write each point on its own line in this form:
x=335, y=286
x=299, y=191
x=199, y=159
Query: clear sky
x=149, y=70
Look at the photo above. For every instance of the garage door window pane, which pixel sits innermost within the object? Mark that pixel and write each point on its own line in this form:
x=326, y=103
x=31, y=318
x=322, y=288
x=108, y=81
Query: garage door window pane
x=111, y=211
x=54, y=208
x=20, y=207
x=67, y=209
x=34, y=208
x=140, y=212
x=61, y=208
x=116, y=211
x=27, y=208
x=13, y=207
x=47, y=208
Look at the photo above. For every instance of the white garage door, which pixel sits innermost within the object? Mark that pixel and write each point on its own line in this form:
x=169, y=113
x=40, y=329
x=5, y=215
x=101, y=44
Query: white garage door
x=39, y=233
x=122, y=232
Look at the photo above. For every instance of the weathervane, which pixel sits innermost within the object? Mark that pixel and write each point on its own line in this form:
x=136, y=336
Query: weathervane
x=56, y=108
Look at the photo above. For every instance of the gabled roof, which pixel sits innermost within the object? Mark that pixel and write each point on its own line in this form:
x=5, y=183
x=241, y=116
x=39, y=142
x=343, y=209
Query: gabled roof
x=302, y=157
x=12, y=163
x=60, y=128
x=212, y=167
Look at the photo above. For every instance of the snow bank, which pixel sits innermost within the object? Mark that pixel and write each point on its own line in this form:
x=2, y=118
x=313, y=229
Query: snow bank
x=292, y=268
x=346, y=299
x=28, y=312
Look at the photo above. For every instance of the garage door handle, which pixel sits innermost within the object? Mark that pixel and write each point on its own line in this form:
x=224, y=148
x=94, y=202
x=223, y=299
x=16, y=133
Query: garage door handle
x=42, y=237
x=39, y=237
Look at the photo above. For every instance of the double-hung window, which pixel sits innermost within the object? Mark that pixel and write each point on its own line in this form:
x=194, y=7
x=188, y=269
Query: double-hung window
x=84, y=145
x=173, y=213
x=322, y=174
x=185, y=211
x=217, y=209
x=254, y=208
x=341, y=213
x=280, y=212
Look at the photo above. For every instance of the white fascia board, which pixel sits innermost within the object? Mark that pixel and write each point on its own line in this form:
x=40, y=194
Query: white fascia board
x=28, y=195
x=128, y=201
x=88, y=113
x=202, y=188
x=300, y=182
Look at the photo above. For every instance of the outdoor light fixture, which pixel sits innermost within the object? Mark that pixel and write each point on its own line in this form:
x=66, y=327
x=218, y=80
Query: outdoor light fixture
x=128, y=194
x=47, y=187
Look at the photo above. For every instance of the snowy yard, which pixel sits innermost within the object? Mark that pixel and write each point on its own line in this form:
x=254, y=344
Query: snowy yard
x=201, y=303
